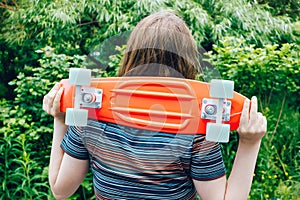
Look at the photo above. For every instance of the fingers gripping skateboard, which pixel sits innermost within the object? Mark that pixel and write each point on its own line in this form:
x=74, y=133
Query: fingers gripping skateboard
x=220, y=89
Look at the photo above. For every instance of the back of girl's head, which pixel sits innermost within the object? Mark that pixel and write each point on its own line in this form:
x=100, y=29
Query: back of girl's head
x=161, y=45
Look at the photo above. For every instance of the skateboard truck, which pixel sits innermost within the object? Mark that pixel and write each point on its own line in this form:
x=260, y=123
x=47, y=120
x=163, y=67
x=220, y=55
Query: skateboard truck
x=218, y=109
x=76, y=116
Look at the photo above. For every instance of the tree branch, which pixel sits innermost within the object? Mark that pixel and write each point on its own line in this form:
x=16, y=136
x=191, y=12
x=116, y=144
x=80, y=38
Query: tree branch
x=5, y=6
x=87, y=23
x=15, y=3
x=279, y=117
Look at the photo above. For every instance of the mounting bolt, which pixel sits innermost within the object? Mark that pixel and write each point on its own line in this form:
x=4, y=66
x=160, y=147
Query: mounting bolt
x=210, y=109
x=87, y=98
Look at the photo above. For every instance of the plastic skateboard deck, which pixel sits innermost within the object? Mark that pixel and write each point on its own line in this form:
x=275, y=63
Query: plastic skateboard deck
x=153, y=103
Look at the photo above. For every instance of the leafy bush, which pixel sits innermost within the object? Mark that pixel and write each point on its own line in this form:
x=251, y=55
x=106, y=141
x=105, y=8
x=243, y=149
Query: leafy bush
x=277, y=171
x=271, y=73
x=287, y=7
x=26, y=131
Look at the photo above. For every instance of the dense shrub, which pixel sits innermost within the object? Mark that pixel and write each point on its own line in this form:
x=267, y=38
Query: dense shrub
x=273, y=74
x=26, y=131
x=287, y=7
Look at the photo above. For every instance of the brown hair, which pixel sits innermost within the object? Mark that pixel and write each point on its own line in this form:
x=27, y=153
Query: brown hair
x=161, y=39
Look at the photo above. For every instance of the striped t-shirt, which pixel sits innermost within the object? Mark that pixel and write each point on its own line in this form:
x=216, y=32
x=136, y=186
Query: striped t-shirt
x=130, y=163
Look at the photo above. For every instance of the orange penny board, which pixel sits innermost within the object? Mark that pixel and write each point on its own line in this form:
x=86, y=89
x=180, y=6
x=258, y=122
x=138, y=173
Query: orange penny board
x=153, y=103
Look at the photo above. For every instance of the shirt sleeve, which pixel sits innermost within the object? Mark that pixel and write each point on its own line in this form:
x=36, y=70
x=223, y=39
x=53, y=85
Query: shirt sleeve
x=73, y=145
x=206, y=161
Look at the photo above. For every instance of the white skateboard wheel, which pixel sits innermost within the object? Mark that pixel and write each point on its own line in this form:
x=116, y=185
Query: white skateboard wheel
x=217, y=132
x=79, y=76
x=76, y=117
x=221, y=88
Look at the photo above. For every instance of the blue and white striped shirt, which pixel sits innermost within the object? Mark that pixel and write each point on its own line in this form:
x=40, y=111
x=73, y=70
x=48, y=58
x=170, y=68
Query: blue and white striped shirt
x=130, y=163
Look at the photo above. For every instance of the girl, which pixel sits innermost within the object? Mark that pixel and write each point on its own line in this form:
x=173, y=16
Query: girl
x=129, y=163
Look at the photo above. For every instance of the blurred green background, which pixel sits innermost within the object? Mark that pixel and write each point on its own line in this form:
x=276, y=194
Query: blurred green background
x=256, y=43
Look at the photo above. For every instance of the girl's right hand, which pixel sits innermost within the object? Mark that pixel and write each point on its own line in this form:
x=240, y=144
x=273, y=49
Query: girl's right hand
x=253, y=125
x=51, y=102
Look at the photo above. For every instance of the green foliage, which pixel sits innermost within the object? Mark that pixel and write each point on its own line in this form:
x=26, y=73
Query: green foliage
x=115, y=61
x=287, y=7
x=278, y=165
x=21, y=175
x=211, y=21
x=66, y=24
x=26, y=130
x=271, y=72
